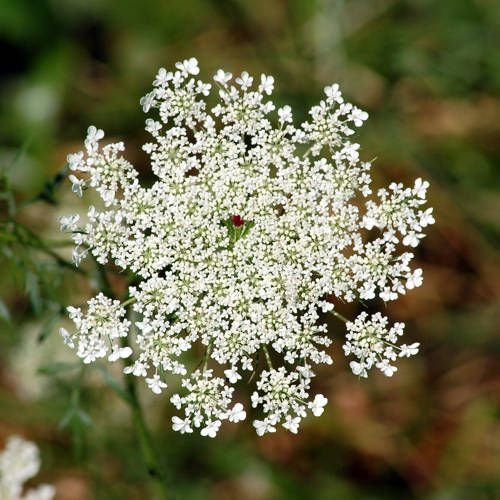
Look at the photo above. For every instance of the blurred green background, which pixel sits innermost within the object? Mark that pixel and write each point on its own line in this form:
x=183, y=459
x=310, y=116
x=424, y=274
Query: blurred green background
x=428, y=73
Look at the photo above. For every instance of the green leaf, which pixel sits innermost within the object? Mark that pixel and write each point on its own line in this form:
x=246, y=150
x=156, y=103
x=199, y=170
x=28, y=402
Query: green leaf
x=115, y=385
x=77, y=421
x=82, y=417
x=48, y=326
x=57, y=367
x=32, y=287
x=4, y=311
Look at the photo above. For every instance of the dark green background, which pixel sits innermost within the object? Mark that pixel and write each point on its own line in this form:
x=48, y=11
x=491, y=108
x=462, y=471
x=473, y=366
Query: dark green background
x=428, y=72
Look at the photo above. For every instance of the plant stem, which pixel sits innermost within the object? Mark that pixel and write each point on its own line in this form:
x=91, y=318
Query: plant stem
x=143, y=435
x=26, y=236
x=145, y=439
x=339, y=316
x=129, y=301
x=268, y=357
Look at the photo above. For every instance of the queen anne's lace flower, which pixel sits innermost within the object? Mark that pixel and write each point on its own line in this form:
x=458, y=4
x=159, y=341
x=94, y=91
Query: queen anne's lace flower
x=20, y=461
x=251, y=224
x=369, y=339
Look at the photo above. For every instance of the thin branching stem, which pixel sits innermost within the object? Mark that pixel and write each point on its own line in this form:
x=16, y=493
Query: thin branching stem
x=339, y=316
x=268, y=357
x=142, y=432
x=25, y=236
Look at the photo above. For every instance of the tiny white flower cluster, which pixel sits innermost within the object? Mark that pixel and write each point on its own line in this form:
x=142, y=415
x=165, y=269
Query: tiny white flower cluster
x=207, y=402
x=369, y=339
x=99, y=330
x=283, y=396
x=251, y=224
x=20, y=461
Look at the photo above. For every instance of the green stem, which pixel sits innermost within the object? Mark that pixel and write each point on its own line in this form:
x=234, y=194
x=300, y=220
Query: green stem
x=47, y=193
x=26, y=236
x=206, y=356
x=145, y=439
x=129, y=301
x=339, y=316
x=268, y=357
x=143, y=435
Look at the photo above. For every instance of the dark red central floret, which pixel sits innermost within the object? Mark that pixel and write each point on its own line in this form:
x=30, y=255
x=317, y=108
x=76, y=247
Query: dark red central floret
x=237, y=220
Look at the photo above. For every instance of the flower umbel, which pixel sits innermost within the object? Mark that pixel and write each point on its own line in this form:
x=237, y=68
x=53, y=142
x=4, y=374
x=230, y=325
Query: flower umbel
x=251, y=224
x=19, y=462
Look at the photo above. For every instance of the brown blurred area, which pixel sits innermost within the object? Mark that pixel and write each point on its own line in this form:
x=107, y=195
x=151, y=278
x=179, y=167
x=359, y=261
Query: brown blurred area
x=428, y=73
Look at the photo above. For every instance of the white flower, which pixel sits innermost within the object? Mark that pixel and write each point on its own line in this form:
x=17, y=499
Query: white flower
x=318, y=405
x=222, y=77
x=370, y=340
x=420, y=188
x=77, y=185
x=75, y=161
x=358, y=369
x=42, y=492
x=211, y=429
x=66, y=338
x=180, y=425
x=237, y=413
x=232, y=375
x=387, y=369
x=426, y=218
x=415, y=279
x=176, y=400
x=119, y=353
x=148, y=101
x=69, y=222
x=77, y=255
x=409, y=350
x=162, y=78
x=250, y=224
x=266, y=84
x=156, y=384
x=411, y=239
x=94, y=135
x=99, y=328
x=358, y=116
x=292, y=424
x=285, y=114
x=245, y=80
x=207, y=401
x=19, y=462
x=138, y=369
x=263, y=426
x=333, y=93
x=189, y=66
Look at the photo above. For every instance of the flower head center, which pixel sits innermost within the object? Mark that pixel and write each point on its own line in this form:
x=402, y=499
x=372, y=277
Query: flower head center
x=237, y=220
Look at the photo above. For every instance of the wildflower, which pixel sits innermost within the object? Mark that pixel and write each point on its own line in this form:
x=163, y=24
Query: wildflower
x=318, y=405
x=285, y=114
x=245, y=80
x=68, y=223
x=222, y=77
x=266, y=84
x=156, y=384
x=374, y=344
x=415, y=279
x=237, y=413
x=19, y=462
x=211, y=429
x=181, y=426
x=408, y=350
x=77, y=185
x=264, y=426
x=333, y=93
x=251, y=223
x=188, y=66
